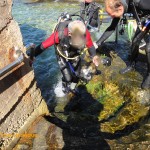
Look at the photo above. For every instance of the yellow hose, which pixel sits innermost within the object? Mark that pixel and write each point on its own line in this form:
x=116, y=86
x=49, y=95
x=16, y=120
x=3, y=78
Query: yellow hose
x=66, y=56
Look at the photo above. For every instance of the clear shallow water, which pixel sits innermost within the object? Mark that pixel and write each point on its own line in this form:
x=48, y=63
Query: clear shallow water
x=37, y=21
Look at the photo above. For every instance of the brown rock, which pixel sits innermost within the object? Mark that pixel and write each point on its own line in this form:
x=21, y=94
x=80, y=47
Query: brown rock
x=19, y=96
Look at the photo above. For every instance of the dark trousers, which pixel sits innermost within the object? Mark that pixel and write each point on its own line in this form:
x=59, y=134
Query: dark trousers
x=90, y=13
x=139, y=35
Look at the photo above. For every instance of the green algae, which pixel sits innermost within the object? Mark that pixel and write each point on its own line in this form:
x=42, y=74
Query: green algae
x=118, y=95
x=107, y=95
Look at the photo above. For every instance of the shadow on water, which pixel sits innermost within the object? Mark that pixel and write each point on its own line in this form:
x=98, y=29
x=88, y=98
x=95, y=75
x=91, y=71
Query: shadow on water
x=82, y=128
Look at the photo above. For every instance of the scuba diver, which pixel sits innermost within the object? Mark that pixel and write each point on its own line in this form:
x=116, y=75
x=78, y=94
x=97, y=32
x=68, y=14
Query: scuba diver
x=141, y=12
x=90, y=13
x=70, y=38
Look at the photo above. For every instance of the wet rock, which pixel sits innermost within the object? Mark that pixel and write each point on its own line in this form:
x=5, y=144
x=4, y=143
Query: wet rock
x=144, y=97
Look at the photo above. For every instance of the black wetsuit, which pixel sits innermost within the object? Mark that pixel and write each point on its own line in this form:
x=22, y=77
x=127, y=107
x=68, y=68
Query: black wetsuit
x=90, y=13
x=143, y=10
x=70, y=69
x=142, y=7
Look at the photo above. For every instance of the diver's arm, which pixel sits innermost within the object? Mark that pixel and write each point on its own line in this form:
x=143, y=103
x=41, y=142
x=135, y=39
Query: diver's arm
x=91, y=49
x=108, y=31
x=53, y=39
x=38, y=50
x=90, y=45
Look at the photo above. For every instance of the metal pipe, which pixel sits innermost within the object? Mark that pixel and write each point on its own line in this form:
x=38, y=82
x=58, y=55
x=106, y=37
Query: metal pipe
x=11, y=66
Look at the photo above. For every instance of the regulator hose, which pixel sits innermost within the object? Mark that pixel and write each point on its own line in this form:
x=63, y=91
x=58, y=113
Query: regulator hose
x=68, y=58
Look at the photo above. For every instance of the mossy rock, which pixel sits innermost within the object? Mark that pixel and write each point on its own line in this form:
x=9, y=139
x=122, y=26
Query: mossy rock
x=118, y=95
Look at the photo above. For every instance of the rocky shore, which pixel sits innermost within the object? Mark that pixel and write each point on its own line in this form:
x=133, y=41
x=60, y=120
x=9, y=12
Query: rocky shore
x=19, y=96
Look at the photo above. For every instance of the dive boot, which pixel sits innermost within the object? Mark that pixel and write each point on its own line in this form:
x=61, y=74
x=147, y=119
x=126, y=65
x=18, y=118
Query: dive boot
x=142, y=45
x=128, y=69
x=146, y=82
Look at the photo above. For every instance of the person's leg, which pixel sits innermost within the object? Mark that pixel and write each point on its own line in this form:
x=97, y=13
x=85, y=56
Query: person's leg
x=76, y=64
x=82, y=9
x=67, y=77
x=134, y=53
x=94, y=16
x=146, y=82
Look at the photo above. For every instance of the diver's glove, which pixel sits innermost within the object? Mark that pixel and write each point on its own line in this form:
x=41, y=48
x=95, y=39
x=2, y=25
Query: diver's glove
x=106, y=61
x=35, y=51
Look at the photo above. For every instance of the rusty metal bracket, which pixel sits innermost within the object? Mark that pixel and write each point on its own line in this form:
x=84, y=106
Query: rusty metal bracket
x=20, y=58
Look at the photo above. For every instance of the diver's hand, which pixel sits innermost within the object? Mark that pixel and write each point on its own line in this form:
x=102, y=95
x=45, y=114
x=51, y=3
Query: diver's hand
x=31, y=62
x=30, y=53
x=96, y=60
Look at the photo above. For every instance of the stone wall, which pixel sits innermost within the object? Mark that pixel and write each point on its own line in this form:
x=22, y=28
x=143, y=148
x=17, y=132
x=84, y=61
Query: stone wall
x=19, y=95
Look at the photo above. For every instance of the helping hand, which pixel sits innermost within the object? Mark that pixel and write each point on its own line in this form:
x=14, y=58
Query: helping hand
x=96, y=60
x=95, y=45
